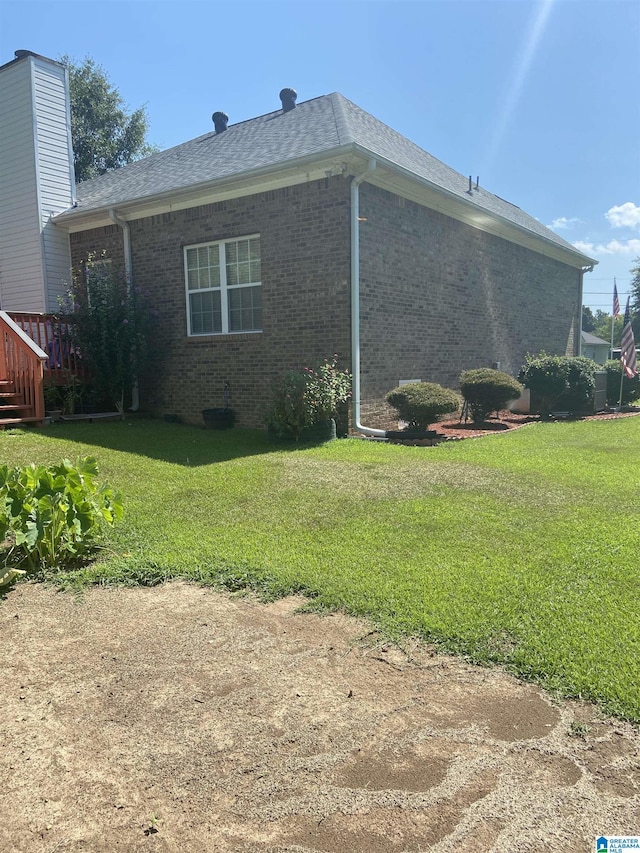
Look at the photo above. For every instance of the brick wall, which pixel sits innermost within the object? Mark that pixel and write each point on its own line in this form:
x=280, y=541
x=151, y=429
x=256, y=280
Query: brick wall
x=95, y=242
x=439, y=297
x=304, y=236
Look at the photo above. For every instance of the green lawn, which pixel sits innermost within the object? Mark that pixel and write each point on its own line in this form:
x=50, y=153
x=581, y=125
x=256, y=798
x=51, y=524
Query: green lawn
x=522, y=549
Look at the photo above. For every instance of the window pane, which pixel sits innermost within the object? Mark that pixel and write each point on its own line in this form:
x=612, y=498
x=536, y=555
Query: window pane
x=206, y=315
x=203, y=267
x=243, y=261
x=245, y=309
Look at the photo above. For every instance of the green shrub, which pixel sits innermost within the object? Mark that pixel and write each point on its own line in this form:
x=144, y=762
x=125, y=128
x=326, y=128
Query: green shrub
x=559, y=383
x=486, y=391
x=303, y=398
x=630, y=387
x=422, y=403
x=112, y=328
x=49, y=515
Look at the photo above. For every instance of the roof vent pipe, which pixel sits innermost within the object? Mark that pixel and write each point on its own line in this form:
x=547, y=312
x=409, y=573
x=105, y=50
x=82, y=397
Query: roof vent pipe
x=288, y=98
x=220, y=121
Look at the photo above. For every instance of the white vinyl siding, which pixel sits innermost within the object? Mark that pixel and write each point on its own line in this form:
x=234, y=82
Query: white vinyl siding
x=224, y=287
x=36, y=181
x=21, y=263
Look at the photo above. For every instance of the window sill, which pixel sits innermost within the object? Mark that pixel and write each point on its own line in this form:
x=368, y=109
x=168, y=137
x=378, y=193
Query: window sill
x=219, y=336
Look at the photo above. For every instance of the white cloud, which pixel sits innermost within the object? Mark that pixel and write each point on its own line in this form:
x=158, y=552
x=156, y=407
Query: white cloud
x=564, y=222
x=625, y=215
x=613, y=247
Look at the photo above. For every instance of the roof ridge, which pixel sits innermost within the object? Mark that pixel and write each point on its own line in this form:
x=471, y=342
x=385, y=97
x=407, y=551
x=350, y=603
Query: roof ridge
x=341, y=118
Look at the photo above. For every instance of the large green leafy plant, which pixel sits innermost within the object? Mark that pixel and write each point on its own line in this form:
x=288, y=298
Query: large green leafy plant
x=111, y=329
x=302, y=398
x=50, y=515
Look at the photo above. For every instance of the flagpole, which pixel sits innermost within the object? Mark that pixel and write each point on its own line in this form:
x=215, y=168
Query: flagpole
x=613, y=320
x=616, y=311
x=621, y=381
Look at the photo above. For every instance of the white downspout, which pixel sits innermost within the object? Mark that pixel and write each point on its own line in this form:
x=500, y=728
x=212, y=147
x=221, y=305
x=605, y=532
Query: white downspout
x=126, y=237
x=580, y=298
x=355, y=302
x=128, y=271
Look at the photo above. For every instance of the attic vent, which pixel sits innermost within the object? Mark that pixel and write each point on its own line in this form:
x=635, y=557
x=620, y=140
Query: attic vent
x=288, y=98
x=220, y=121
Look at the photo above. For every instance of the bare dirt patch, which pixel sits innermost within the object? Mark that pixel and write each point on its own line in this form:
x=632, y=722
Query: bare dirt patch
x=179, y=718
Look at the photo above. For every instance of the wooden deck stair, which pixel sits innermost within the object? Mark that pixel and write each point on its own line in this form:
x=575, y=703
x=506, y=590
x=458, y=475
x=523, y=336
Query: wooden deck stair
x=13, y=409
x=21, y=376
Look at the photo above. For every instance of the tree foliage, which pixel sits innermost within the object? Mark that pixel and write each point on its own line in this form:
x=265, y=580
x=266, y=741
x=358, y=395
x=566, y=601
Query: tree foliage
x=104, y=133
x=112, y=330
x=588, y=320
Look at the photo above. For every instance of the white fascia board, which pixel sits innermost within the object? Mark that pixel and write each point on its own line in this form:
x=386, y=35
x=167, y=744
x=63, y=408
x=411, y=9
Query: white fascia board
x=300, y=171
x=396, y=179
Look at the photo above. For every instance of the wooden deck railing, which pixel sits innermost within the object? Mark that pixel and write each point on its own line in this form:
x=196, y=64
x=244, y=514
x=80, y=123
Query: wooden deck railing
x=54, y=335
x=22, y=364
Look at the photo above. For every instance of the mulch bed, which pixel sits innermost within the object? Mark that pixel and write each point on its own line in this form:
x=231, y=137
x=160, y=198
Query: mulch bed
x=502, y=422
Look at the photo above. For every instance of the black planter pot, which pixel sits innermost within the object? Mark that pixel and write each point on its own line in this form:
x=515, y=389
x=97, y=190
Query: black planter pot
x=322, y=431
x=316, y=434
x=222, y=418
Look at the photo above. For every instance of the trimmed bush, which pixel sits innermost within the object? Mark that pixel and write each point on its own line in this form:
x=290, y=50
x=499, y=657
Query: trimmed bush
x=559, y=383
x=422, y=403
x=486, y=391
x=630, y=387
x=304, y=398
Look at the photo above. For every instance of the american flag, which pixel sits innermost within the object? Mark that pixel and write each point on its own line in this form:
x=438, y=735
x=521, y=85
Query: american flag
x=616, y=301
x=628, y=346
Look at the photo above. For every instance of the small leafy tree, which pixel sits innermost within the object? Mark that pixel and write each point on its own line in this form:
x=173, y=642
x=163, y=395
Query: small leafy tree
x=305, y=397
x=53, y=514
x=559, y=382
x=111, y=331
x=422, y=403
x=486, y=391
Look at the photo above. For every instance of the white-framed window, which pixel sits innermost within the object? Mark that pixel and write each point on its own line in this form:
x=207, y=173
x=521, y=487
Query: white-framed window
x=224, y=286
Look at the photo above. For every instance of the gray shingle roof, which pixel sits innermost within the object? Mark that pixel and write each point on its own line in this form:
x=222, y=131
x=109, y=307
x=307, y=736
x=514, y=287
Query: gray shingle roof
x=314, y=127
x=592, y=340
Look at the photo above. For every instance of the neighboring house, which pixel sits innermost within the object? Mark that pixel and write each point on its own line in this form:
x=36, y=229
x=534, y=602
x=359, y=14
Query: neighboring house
x=317, y=229
x=595, y=348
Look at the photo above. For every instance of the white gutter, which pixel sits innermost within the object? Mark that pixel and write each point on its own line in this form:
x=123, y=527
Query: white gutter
x=128, y=271
x=355, y=302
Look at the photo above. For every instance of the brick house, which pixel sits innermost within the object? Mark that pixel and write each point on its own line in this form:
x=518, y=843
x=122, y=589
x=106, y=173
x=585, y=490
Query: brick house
x=317, y=229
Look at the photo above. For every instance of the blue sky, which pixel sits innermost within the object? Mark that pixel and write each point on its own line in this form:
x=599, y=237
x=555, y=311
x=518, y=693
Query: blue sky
x=539, y=99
